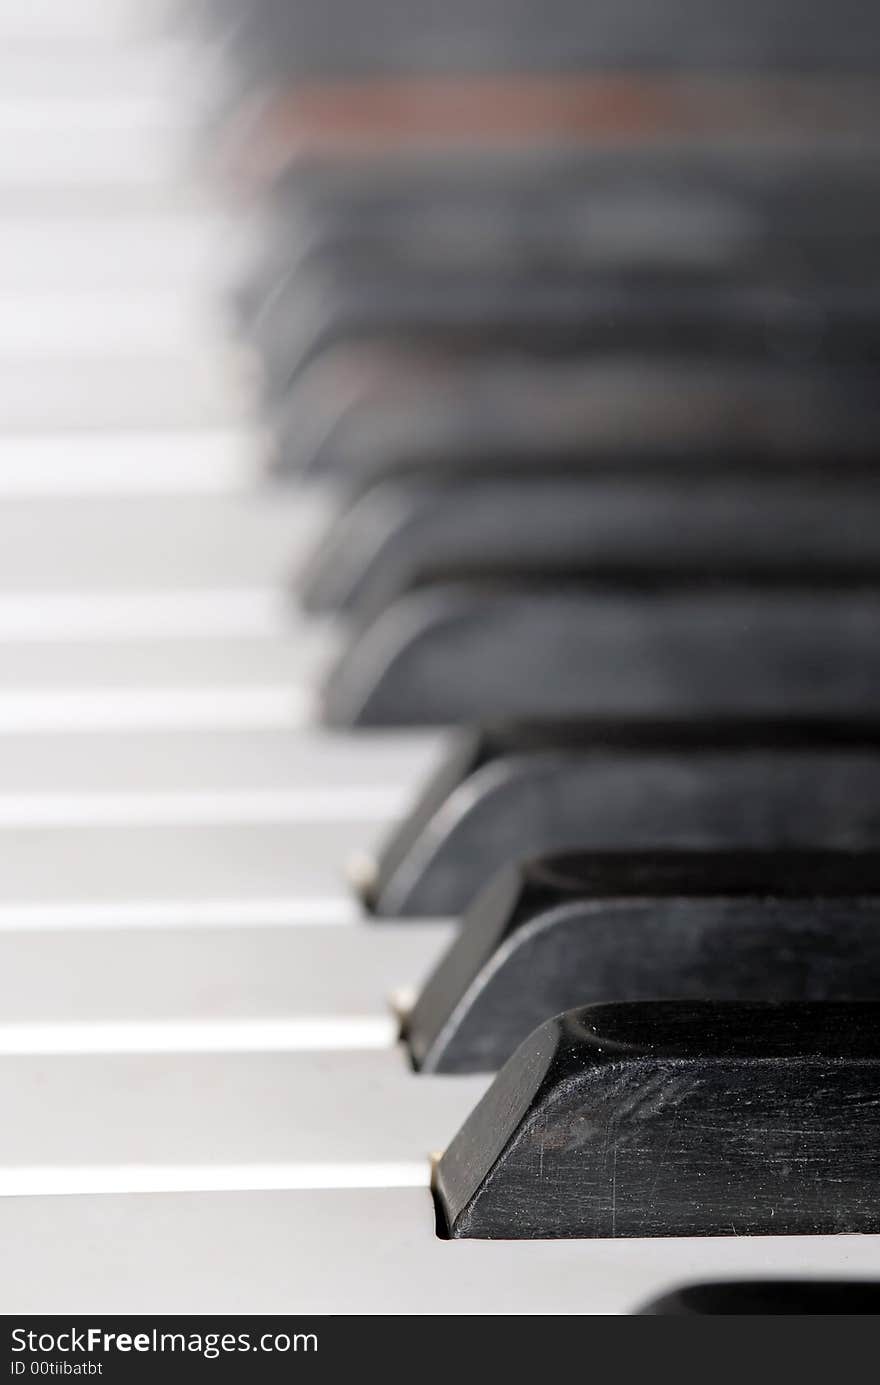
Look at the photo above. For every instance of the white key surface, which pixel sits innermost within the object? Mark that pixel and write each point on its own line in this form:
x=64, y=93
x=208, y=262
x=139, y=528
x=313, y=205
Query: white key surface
x=148, y=777
x=73, y=143
x=204, y=683
x=93, y=24
x=129, y=326
x=108, y=467
x=181, y=1121
x=136, y=990
x=287, y=872
x=165, y=390
x=152, y=543
x=354, y=1251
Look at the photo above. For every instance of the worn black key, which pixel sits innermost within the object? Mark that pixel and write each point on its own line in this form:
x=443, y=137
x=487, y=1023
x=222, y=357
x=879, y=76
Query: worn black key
x=547, y=650
x=676, y=1119
x=789, y=1297
x=401, y=535
x=508, y=795
x=577, y=930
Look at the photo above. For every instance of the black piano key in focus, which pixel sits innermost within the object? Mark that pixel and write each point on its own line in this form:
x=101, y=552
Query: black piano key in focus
x=577, y=930
x=509, y=794
x=675, y=1119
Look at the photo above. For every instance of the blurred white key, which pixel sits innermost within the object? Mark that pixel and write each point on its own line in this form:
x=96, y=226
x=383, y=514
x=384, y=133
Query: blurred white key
x=142, y=666
x=167, y=465
x=355, y=1251
x=124, y=685
x=167, y=390
x=211, y=989
x=133, y=324
x=190, y=542
x=95, y=23
x=216, y=772
x=72, y=145
x=96, y=71
x=178, y=1121
x=115, y=251
x=174, y=614
x=179, y=874
x=191, y=613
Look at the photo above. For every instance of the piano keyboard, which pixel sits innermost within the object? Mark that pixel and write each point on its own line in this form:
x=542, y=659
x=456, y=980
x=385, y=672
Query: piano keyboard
x=461, y=637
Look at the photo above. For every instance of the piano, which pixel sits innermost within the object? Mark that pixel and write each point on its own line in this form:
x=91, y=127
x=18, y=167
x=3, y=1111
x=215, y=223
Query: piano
x=439, y=653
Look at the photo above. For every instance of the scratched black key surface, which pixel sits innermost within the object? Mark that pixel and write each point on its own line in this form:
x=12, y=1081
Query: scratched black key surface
x=676, y=1119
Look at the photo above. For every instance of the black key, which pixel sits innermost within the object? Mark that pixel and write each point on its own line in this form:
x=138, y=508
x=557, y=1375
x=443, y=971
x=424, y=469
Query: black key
x=676, y=1119
x=358, y=420
x=577, y=930
x=274, y=38
x=715, y=314
x=537, y=650
x=802, y=1297
x=399, y=536
x=584, y=209
x=505, y=796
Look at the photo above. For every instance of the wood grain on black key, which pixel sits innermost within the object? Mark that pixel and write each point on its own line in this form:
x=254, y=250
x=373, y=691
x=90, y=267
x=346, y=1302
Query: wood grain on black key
x=576, y=930
x=676, y=1119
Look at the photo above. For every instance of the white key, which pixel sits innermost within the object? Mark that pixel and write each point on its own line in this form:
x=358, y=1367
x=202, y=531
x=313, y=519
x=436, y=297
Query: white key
x=171, y=390
x=296, y=659
x=153, y=543
x=288, y=872
x=110, y=467
x=142, y=70
x=163, y=614
x=181, y=1122
x=76, y=326
x=229, y=776
x=211, y=989
x=151, y=684
x=129, y=145
x=115, y=252
x=353, y=1251
x=95, y=23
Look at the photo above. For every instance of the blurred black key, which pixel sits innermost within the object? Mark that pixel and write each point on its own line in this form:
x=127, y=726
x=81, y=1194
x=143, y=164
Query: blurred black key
x=403, y=535
x=274, y=37
x=761, y=317
x=580, y=209
x=357, y=416
x=653, y=650
x=676, y=1119
x=577, y=930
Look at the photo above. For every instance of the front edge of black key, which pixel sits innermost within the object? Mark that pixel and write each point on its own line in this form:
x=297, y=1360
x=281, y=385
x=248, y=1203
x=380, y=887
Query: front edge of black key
x=579, y=930
x=675, y=1119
